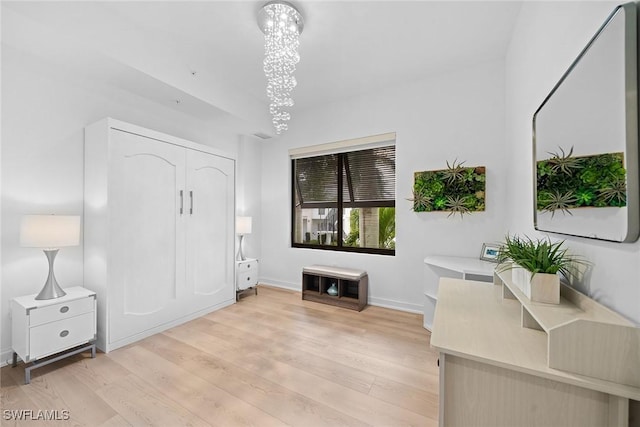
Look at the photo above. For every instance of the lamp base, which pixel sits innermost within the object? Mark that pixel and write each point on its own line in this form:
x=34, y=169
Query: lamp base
x=51, y=289
x=241, y=256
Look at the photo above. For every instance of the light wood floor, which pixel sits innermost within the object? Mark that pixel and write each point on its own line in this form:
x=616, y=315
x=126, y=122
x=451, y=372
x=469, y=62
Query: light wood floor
x=270, y=360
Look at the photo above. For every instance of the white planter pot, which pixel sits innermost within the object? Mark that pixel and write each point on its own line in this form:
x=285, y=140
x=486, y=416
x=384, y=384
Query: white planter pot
x=542, y=287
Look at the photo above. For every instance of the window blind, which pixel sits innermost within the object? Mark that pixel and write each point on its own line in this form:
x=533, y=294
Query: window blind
x=317, y=181
x=371, y=177
x=368, y=179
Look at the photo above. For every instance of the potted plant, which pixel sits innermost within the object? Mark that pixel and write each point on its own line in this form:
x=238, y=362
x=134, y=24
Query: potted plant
x=537, y=265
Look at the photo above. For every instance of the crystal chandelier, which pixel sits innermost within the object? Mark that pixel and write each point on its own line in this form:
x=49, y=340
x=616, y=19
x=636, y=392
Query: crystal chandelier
x=281, y=24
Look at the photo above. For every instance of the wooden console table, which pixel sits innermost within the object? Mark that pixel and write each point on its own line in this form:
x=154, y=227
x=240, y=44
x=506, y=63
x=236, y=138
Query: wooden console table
x=497, y=348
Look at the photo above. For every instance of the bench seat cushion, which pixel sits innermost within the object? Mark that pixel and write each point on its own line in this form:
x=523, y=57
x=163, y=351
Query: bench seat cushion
x=337, y=272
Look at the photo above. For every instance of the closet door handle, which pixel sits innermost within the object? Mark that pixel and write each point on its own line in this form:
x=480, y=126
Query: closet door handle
x=191, y=205
x=181, y=201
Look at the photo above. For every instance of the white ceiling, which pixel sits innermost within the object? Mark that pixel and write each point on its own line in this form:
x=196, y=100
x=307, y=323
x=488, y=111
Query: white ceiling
x=347, y=47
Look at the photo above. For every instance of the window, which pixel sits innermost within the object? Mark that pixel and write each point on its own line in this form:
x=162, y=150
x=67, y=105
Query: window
x=345, y=201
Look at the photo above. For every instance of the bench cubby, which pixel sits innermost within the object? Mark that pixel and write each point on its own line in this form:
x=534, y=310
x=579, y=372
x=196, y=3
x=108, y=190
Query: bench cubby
x=352, y=286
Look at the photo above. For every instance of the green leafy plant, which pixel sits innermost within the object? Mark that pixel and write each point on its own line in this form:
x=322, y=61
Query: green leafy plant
x=565, y=182
x=456, y=189
x=454, y=172
x=353, y=238
x=564, y=162
x=553, y=201
x=456, y=205
x=421, y=201
x=616, y=194
x=539, y=256
x=585, y=197
x=386, y=228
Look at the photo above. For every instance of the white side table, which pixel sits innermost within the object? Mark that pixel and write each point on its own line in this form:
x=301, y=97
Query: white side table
x=468, y=268
x=45, y=331
x=246, y=277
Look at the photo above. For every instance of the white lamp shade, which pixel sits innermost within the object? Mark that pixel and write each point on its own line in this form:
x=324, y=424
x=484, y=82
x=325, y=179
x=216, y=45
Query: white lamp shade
x=50, y=231
x=243, y=225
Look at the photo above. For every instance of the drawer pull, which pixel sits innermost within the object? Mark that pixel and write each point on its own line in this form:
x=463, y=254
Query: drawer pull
x=248, y=278
x=64, y=333
x=64, y=309
x=248, y=266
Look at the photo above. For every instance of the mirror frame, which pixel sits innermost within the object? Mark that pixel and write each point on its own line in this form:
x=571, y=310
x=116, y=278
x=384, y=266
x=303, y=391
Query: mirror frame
x=630, y=11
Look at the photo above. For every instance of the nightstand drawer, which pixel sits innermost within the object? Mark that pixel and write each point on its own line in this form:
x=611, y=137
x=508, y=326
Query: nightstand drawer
x=61, y=311
x=247, y=266
x=56, y=336
x=246, y=280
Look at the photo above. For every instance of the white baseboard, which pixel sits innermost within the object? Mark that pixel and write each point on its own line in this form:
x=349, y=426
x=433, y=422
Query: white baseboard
x=279, y=284
x=396, y=305
x=379, y=302
x=7, y=357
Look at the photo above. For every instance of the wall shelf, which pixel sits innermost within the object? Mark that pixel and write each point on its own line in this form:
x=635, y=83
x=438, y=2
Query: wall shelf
x=451, y=266
x=463, y=265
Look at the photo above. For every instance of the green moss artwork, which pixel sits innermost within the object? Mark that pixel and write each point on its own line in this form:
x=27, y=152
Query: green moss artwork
x=457, y=189
x=568, y=182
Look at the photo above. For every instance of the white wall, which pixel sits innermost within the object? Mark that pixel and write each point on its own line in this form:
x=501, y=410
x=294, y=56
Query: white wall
x=454, y=115
x=547, y=39
x=44, y=113
x=248, y=191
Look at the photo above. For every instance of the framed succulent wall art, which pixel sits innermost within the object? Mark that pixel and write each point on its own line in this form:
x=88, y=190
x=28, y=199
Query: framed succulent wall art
x=456, y=189
x=565, y=182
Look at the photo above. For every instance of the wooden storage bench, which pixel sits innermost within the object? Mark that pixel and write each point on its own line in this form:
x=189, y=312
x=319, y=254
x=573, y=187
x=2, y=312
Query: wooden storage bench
x=353, y=286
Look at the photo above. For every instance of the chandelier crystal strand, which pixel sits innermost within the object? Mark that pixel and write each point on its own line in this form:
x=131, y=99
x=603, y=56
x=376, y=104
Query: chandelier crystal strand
x=281, y=24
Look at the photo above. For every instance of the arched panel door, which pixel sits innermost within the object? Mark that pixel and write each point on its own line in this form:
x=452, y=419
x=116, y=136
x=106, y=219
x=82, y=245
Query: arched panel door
x=210, y=234
x=148, y=258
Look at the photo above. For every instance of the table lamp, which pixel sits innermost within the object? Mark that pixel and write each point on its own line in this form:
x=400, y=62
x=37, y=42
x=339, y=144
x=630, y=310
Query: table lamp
x=50, y=232
x=243, y=226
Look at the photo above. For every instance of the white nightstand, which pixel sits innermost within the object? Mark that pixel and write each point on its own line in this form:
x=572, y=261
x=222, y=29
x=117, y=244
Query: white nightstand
x=42, y=328
x=246, y=277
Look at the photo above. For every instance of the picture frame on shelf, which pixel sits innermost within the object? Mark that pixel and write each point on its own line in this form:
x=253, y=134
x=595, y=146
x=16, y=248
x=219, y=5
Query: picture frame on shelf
x=490, y=252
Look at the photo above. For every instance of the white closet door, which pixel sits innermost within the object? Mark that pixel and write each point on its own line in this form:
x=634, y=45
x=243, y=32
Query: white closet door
x=147, y=233
x=210, y=234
